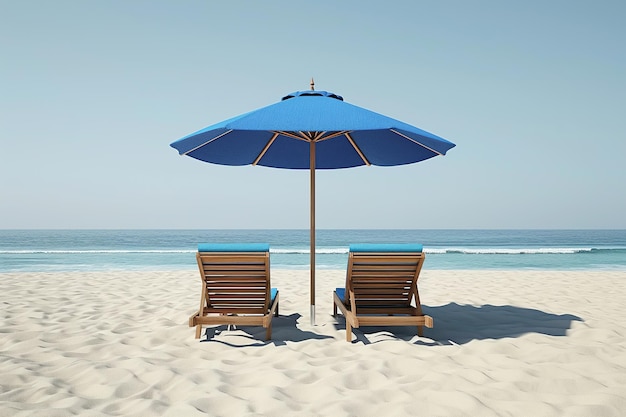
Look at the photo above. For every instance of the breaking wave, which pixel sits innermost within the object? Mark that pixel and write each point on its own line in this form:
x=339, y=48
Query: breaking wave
x=511, y=251
x=322, y=250
x=88, y=251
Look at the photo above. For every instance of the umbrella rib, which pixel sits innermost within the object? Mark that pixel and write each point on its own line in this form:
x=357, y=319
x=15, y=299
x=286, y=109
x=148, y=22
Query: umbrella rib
x=357, y=149
x=265, y=148
x=207, y=142
x=293, y=135
x=416, y=142
x=310, y=136
x=332, y=135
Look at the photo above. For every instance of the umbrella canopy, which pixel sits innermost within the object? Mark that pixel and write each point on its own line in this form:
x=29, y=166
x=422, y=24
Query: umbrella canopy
x=312, y=130
x=279, y=136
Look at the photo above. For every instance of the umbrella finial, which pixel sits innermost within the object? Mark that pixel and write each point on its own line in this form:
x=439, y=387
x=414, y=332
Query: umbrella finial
x=312, y=84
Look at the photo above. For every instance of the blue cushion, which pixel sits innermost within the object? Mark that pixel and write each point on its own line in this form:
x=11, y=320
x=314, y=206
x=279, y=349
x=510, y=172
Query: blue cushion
x=386, y=247
x=273, y=293
x=341, y=293
x=233, y=247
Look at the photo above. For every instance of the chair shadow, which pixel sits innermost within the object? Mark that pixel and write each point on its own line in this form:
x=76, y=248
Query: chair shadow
x=284, y=329
x=460, y=324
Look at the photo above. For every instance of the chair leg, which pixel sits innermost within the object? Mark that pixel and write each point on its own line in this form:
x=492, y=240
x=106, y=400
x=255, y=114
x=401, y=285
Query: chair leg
x=268, y=331
x=198, y=331
x=348, y=332
x=420, y=331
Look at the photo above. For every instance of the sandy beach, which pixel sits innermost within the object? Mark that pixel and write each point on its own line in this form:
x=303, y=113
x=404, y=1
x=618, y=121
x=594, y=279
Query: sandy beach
x=505, y=343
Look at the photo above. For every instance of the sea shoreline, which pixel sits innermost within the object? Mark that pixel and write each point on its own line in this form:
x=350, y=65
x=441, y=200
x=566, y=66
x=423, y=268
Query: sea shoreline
x=85, y=250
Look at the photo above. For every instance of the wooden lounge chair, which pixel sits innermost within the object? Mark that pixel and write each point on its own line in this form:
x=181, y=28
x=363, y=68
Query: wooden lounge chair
x=381, y=284
x=235, y=287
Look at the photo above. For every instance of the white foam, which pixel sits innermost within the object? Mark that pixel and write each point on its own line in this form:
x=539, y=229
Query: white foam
x=296, y=251
x=508, y=251
x=304, y=251
x=88, y=251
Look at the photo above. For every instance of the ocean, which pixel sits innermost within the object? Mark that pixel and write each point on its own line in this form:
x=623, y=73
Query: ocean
x=101, y=250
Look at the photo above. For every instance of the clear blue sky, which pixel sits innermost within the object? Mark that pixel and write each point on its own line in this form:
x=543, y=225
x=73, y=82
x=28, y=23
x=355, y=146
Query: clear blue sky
x=533, y=94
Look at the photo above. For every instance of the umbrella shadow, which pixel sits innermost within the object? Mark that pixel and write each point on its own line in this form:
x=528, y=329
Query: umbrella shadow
x=463, y=323
x=284, y=329
x=460, y=324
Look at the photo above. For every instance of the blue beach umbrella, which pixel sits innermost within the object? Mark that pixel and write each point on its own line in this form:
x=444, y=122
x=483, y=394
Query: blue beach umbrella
x=312, y=130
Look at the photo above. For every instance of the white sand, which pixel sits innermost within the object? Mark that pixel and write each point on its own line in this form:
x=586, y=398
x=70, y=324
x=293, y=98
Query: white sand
x=504, y=344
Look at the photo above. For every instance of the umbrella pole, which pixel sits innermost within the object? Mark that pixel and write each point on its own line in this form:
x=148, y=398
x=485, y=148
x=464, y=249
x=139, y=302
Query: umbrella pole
x=312, y=199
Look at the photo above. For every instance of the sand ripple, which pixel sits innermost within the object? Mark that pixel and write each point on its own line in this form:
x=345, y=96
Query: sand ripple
x=504, y=343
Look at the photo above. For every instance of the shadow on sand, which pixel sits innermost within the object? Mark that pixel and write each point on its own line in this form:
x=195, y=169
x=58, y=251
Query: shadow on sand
x=284, y=329
x=460, y=324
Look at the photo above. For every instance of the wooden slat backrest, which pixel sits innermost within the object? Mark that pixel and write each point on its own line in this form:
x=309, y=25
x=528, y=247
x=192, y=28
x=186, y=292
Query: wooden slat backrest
x=383, y=279
x=235, y=282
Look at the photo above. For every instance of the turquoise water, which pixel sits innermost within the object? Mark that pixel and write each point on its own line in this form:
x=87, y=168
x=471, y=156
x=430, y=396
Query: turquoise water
x=87, y=250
